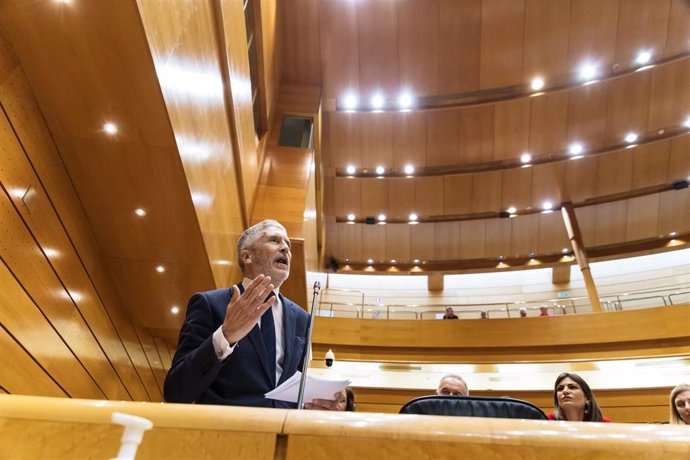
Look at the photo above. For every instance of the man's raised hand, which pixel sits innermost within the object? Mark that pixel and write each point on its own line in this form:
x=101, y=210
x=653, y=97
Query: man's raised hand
x=245, y=310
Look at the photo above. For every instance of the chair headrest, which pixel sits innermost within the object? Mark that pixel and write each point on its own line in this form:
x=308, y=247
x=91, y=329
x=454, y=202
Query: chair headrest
x=473, y=406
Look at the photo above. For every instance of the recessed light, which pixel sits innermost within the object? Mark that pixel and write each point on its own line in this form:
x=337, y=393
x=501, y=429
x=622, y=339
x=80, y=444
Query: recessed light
x=351, y=217
x=631, y=137
x=370, y=261
x=547, y=206
x=588, y=71
x=416, y=261
x=347, y=260
x=643, y=57
x=110, y=128
x=393, y=261
x=350, y=169
x=673, y=234
x=222, y=262
x=532, y=254
x=382, y=217
x=175, y=310
x=537, y=84
x=140, y=212
x=409, y=169
x=405, y=101
x=565, y=250
x=686, y=123
x=511, y=210
x=413, y=216
x=380, y=170
x=350, y=102
x=377, y=101
x=160, y=269
x=525, y=158
x=501, y=257
x=576, y=149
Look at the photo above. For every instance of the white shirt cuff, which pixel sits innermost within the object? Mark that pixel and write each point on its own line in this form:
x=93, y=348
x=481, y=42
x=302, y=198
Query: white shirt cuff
x=221, y=345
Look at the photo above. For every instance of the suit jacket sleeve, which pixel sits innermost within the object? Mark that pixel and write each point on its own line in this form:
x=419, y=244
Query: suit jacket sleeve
x=195, y=365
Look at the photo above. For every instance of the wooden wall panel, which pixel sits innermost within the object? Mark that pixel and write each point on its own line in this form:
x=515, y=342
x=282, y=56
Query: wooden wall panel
x=152, y=356
x=611, y=222
x=486, y=192
x=64, y=360
x=423, y=242
x=552, y=234
x=347, y=197
x=525, y=234
x=477, y=128
x=349, y=238
x=402, y=198
x=512, y=129
x=678, y=29
x=591, y=34
x=580, y=179
x=516, y=188
x=651, y=165
x=442, y=138
x=547, y=180
x=546, y=38
x=473, y=239
x=20, y=373
x=301, y=64
x=586, y=112
x=457, y=194
x=344, y=140
x=643, y=214
x=428, y=196
x=378, y=45
x=615, y=172
x=271, y=23
x=502, y=45
x=498, y=237
x=628, y=107
x=459, y=45
x=377, y=139
x=398, y=243
x=418, y=45
x=409, y=139
x=339, y=48
x=641, y=25
x=674, y=212
x=374, y=194
x=669, y=95
x=680, y=158
x=374, y=242
x=447, y=236
x=548, y=123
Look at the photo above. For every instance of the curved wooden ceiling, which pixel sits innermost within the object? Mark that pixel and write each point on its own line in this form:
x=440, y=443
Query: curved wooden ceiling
x=469, y=156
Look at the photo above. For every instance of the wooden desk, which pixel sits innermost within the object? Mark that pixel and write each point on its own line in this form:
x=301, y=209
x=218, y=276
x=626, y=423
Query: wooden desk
x=38, y=427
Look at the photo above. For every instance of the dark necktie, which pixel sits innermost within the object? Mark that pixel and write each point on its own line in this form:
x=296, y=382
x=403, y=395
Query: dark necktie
x=268, y=334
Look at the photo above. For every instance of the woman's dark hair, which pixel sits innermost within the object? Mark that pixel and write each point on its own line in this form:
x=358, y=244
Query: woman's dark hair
x=350, y=402
x=592, y=409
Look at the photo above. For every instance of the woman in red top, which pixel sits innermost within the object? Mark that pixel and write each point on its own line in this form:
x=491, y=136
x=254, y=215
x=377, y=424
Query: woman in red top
x=574, y=401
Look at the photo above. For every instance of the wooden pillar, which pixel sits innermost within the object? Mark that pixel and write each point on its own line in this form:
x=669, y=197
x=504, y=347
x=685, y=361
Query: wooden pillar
x=573, y=229
x=435, y=282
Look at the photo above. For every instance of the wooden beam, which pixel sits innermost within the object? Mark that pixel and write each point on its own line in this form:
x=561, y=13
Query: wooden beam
x=575, y=237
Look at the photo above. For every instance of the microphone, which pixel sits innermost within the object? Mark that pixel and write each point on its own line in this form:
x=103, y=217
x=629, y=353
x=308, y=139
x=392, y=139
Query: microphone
x=307, y=352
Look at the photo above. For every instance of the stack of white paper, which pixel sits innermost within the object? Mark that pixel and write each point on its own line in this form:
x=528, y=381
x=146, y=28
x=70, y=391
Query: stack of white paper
x=313, y=389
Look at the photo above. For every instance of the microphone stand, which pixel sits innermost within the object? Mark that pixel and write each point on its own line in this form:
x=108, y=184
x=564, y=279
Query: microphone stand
x=307, y=350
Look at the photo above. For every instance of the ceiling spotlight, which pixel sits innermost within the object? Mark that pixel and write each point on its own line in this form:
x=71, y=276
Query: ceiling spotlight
x=643, y=57
x=351, y=217
x=416, y=261
x=377, y=102
x=110, y=128
x=160, y=269
x=576, y=149
x=588, y=72
x=537, y=84
x=393, y=261
x=631, y=137
x=532, y=254
x=382, y=218
x=413, y=218
x=501, y=257
x=405, y=101
x=175, y=310
x=350, y=103
x=686, y=123
x=350, y=169
x=565, y=251
x=511, y=210
x=140, y=212
x=380, y=170
x=370, y=261
x=525, y=158
x=547, y=206
x=409, y=169
x=673, y=234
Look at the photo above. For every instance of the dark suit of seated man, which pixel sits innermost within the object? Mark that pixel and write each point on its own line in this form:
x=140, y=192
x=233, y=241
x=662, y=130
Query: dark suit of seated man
x=222, y=356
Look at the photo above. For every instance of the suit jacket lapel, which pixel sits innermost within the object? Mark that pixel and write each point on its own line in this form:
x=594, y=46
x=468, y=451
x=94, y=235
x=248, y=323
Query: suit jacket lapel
x=258, y=342
x=289, y=338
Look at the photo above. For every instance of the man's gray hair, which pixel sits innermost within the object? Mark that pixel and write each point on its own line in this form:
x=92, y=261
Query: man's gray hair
x=456, y=377
x=250, y=236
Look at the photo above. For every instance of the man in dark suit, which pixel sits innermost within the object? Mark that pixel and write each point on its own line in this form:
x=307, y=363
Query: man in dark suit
x=237, y=344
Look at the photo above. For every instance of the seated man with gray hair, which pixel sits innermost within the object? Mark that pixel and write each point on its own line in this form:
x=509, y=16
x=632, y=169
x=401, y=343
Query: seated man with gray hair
x=452, y=385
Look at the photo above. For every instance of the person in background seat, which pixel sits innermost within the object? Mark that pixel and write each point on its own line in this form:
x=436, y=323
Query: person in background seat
x=574, y=401
x=680, y=405
x=450, y=314
x=452, y=385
